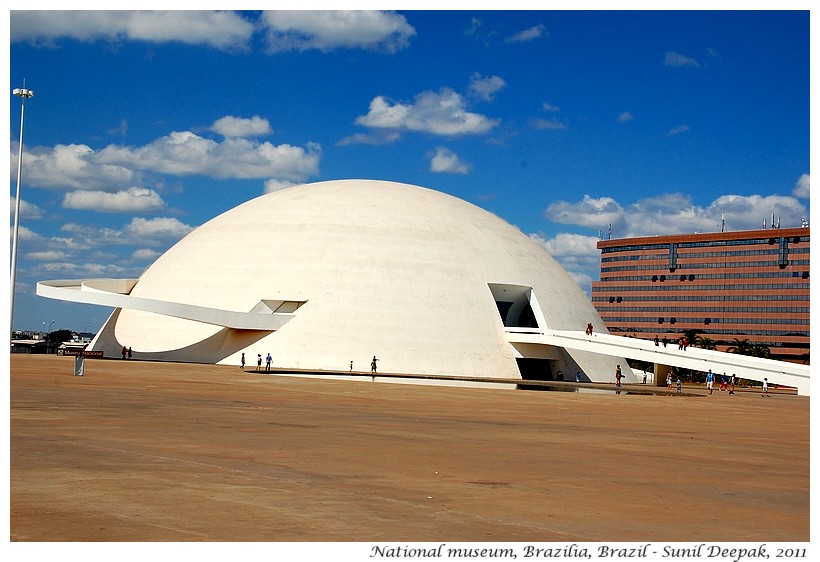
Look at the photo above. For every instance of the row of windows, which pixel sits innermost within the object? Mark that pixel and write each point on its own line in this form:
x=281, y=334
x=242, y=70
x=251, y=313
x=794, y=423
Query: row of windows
x=701, y=265
x=701, y=276
x=675, y=320
x=721, y=297
x=721, y=287
x=724, y=254
x=720, y=332
x=737, y=309
x=715, y=243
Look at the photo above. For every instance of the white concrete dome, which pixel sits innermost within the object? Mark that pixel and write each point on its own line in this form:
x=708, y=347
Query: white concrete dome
x=418, y=278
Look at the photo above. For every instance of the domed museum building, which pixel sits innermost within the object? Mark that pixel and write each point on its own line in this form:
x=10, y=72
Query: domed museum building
x=324, y=274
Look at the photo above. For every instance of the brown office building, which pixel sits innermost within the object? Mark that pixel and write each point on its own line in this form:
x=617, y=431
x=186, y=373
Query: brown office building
x=729, y=286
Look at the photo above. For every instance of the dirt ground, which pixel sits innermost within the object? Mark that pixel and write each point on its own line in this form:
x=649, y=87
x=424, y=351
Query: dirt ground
x=140, y=451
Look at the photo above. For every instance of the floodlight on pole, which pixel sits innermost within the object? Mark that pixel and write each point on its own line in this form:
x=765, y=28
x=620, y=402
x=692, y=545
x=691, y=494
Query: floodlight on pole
x=24, y=93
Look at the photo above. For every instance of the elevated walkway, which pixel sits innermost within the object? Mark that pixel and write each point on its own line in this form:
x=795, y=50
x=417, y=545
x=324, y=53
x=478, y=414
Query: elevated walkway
x=742, y=366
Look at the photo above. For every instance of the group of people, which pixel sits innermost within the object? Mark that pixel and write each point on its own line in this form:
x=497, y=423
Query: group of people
x=126, y=353
x=726, y=383
x=268, y=360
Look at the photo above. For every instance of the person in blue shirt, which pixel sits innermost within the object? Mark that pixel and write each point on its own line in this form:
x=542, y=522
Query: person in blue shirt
x=710, y=379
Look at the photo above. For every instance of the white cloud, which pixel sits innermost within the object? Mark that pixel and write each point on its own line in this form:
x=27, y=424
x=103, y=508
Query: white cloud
x=185, y=153
x=677, y=130
x=674, y=213
x=47, y=255
x=625, y=116
x=375, y=138
x=801, y=188
x=547, y=124
x=485, y=87
x=220, y=30
x=547, y=106
x=145, y=254
x=327, y=30
x=132, y=200
x=230, y=126
x=671, y=58
x=439, y=113
x=577, y=254
x=446, y=161
x=116, y=168
x=27, y=210
x=72, y=166
x=590, y=212
x=528, y=34
x=158, y=229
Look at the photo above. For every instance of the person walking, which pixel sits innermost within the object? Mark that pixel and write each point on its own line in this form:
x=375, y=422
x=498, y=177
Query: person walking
x=618, y=375
x=732, y=382
x=679, y=386
x=669, y=381
x=242, y=362
x=710, y=379
x=258, y=361
x=765, y=388
x=724, y=382
x=268, y=359
x=373, y=365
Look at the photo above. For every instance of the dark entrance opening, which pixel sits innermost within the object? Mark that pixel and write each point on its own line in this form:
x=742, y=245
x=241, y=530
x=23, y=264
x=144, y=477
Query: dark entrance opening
x=532, y=369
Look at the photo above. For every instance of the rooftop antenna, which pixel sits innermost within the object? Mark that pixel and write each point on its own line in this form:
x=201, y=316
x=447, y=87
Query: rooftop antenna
x=803, y=222
x=764, y=224
x=722, y=222
x=609, y=232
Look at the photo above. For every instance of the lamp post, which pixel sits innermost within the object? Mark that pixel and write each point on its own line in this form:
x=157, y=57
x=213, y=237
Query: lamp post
x=24, y=94
x=48, y=335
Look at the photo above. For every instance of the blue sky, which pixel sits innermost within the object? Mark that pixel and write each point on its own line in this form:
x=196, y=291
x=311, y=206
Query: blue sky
x=145, y=125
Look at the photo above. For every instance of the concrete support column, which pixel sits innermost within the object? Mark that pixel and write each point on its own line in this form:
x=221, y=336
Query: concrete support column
x=660, y=374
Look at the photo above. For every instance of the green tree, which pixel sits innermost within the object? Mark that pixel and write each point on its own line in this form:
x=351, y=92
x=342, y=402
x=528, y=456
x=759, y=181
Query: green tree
x=59, y=336
x=741, y=347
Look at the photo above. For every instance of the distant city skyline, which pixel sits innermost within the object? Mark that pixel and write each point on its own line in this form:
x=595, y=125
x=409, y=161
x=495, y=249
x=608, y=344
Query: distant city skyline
x=145, y=125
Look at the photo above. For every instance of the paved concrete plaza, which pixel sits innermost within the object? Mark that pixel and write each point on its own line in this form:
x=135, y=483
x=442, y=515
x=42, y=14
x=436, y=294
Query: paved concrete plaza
x=140, y=451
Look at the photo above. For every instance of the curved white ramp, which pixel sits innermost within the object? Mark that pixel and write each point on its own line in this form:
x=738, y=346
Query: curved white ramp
x=743, y=366
x=114, y=293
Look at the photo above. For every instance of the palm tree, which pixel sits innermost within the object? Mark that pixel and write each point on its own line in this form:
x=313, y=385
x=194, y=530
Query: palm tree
x=706, y=343
x=761, y=350
x=741, y=347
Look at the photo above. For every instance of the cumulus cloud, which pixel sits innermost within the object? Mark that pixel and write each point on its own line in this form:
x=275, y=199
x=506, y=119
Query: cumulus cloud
x=219, y=30
x=671, y=58
x=71, y=166
x=801, y=188
x=444, y=160
x=185, y=153
x=675, y=213
x=145, y=254
x=578, y=255
x=441, y=113
x=230, y=126
x=590, y=212
x=156, y=229
x=328, y=29
x=117, y=167
x=27, y=210
x=485, y=87
x=132, y=200
x=529, y=34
